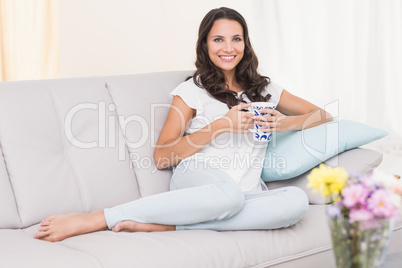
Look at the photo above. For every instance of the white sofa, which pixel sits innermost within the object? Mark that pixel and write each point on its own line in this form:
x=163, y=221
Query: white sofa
x=65, y=146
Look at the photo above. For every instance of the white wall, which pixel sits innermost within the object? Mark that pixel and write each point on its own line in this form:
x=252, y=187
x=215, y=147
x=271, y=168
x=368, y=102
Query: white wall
x=345, y=54
x=113, y=37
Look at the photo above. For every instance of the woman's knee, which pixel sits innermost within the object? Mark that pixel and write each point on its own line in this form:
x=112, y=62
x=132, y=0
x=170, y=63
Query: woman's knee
x=297, y=202
x=233, y=197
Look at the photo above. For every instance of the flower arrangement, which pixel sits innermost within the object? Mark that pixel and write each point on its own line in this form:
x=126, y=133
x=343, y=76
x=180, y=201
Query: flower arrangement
x=360, y=213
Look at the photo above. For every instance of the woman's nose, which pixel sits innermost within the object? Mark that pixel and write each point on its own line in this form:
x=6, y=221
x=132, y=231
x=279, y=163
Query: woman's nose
x=228, y=47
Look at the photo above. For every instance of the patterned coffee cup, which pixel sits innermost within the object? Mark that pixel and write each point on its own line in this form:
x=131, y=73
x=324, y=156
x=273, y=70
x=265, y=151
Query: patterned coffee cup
x=256, y=108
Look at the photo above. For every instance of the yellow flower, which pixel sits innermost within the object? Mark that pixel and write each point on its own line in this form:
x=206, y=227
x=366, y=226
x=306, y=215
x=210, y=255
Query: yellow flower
x=329, y=181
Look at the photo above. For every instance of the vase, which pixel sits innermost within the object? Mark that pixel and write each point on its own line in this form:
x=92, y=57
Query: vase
x=361, y=244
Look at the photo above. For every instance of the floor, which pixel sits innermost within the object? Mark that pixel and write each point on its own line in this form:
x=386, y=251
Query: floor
x=391, y=148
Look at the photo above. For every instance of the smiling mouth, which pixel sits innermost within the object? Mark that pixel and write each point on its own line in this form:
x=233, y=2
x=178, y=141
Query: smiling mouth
x=227, y=58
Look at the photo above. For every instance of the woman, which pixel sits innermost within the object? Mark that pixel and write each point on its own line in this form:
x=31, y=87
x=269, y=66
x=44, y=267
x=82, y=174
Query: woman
x=206, y=136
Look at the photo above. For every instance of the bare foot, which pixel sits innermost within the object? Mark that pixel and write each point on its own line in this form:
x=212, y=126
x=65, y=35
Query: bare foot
x=132, y=226
x=59, y=227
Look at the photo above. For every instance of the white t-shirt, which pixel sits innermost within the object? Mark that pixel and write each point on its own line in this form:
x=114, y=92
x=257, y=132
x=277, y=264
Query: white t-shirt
x=236, y=154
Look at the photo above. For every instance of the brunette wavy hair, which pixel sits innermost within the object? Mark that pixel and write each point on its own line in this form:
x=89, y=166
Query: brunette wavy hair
x=210, y=77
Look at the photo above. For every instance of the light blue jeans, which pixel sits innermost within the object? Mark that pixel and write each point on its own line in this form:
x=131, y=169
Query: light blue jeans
x=202, y=197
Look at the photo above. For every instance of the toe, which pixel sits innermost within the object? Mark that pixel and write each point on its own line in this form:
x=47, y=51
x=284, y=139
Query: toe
x=43, y=229
x=40, y=235
x=52, y=238
x=125, y=226
x=116, y=228
x=47, y=221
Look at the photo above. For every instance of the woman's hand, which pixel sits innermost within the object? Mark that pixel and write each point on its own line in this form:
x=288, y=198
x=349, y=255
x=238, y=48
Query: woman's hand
x=238, y=121
x=172, y=146
x=273, y=121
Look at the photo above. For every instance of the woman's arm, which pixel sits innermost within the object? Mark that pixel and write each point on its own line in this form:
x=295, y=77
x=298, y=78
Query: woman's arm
x=172, y=146
x=293, y=113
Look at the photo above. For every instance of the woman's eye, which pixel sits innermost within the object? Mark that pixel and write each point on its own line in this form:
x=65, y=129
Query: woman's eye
x=218, y=40
x=237, y=39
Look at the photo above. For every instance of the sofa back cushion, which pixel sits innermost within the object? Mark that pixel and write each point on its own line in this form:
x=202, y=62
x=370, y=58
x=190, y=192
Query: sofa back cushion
x=9, y=214
x=142, y=103
x=56, y=145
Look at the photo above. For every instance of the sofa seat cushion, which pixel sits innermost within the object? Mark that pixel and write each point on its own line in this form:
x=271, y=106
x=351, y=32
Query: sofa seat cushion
x=310, y=236
x=204, y=248
x=175, y=249
x=306, y=244
x=19, y=249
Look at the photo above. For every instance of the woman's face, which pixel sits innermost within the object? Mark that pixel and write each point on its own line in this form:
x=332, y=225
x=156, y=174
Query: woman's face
x=225, y=44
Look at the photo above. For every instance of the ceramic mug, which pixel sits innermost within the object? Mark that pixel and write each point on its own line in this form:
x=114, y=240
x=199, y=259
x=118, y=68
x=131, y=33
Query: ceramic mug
x=256, y=108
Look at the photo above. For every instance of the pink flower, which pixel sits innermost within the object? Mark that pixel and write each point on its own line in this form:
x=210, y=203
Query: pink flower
x=397, y=188
x=361, y=214
x=354, y=194
x=381, y=204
